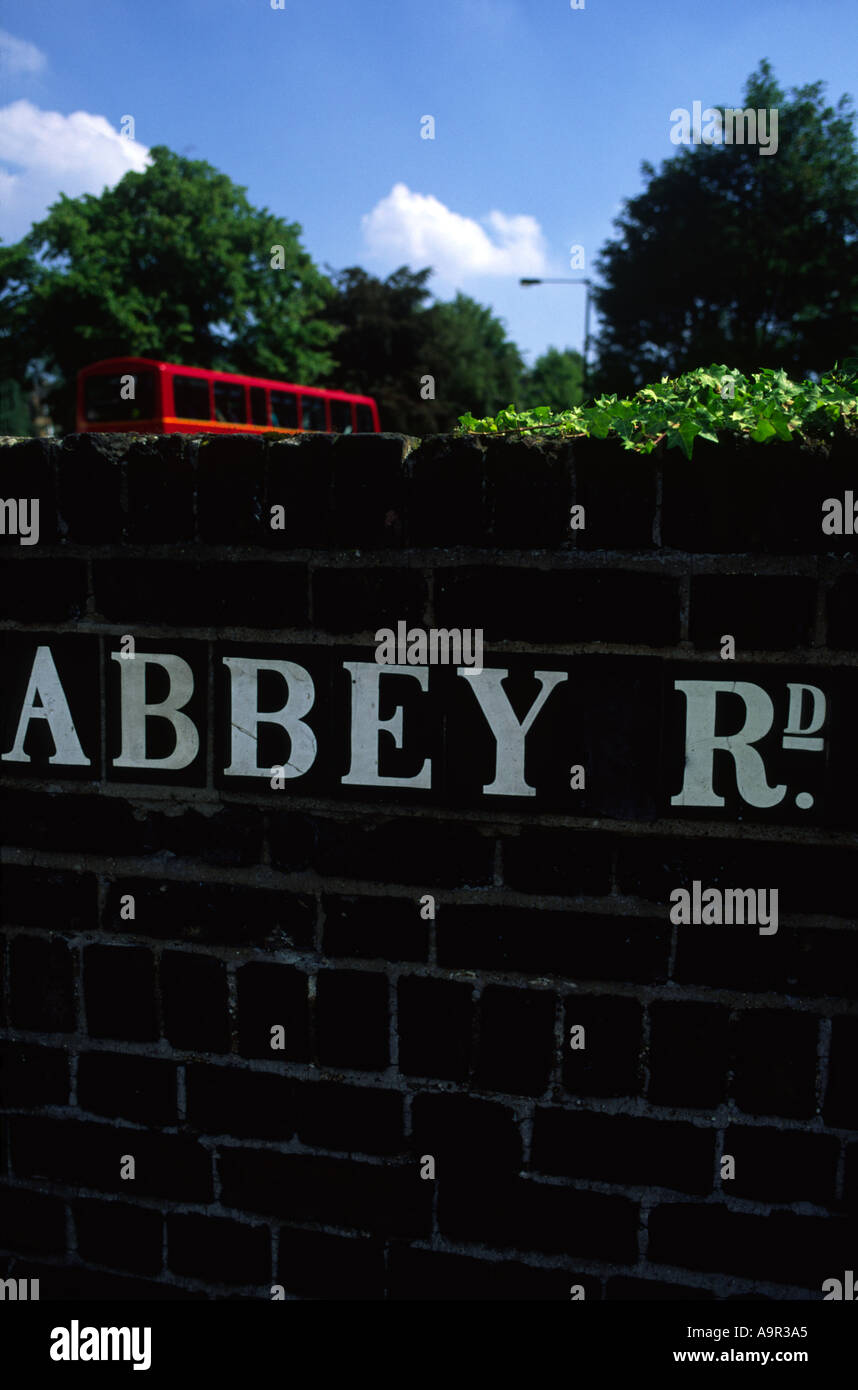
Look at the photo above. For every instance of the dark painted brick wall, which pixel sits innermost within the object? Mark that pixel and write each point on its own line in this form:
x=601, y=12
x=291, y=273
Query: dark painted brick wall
x=408, y=1037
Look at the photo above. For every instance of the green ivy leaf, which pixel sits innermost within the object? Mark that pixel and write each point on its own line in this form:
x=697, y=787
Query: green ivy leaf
x=764, y=431
x=681, y=409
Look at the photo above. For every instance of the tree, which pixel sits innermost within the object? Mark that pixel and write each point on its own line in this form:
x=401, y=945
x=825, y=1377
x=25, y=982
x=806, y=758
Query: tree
x=425, y=364
x=476, y=367
x=171, y=263
x=737, y=257
x=14, y=413
x=556, y=379
x=382, y=349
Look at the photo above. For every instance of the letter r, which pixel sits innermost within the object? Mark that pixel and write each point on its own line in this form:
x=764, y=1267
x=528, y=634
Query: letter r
x=701, y=743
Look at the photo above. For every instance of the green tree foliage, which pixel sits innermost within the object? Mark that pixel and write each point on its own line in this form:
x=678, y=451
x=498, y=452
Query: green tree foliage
x=556, y=379
x=730, y=255
x=392, y=340
x=472, y=359
x=14, y=411
x=381, y=349
x=171, y=263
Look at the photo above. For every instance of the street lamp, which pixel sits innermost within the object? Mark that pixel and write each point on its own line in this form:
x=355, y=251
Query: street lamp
x=588, y=284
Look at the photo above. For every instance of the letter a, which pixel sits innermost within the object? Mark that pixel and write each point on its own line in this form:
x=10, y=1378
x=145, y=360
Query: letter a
x=278, y=1037
x=680, y=913
x=53, y=707
x=60, y=1337
x=427, y=1166
x=126, y=907
x=427, y=908
x=832, y=523
x=728, y=1167
x=681, y=133
x=127, y=1167
x=711, y=132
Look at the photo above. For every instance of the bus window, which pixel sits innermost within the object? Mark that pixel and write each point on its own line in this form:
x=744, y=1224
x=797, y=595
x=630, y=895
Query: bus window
x=191, y=398
x=103, y=397
x=284, y=410
x=229, y=403
x=313, y=413
x=341, y=417
x=364, y=420
x=258, y=412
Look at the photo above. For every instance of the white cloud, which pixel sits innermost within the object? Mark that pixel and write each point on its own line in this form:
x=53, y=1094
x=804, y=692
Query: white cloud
x=75, y=154
x=19, y=56
x=418, y=229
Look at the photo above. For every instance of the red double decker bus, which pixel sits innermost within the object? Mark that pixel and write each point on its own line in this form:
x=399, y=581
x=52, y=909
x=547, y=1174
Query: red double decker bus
x=137, y=394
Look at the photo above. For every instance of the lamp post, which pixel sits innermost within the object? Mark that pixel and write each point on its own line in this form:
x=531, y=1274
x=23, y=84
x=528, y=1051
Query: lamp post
x=588, y=283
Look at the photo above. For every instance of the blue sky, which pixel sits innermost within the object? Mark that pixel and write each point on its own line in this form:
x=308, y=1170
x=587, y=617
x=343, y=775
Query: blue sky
x=542, y=113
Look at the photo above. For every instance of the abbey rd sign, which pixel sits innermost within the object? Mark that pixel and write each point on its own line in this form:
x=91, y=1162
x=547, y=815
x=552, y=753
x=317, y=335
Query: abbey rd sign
x=627, y=737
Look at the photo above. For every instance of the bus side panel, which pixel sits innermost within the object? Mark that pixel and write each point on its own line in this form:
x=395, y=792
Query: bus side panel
x=153, y=425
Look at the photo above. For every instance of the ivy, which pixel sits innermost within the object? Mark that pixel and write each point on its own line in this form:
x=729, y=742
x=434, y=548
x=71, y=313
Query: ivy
x=708, y=403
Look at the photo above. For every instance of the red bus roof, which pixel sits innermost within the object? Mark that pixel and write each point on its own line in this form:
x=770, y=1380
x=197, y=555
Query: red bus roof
x=111, y=363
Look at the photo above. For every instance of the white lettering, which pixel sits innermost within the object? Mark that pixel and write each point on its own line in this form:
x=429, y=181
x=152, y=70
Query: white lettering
x=45, y=684
x=246, y=716
x=366, y=726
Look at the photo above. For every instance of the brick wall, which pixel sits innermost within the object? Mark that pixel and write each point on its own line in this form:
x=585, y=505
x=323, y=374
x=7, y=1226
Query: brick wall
x=409, y=1036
